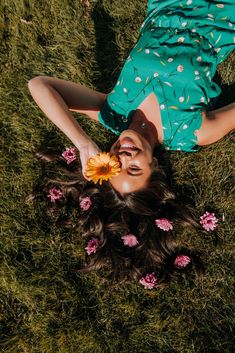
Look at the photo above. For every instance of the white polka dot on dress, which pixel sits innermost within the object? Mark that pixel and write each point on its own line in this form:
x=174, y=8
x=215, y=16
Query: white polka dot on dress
x=180, y=68
x=162, y=106
x=185, y=126
x=181, y=99
x=181, y=40
x=147, y=51
x=138, y=79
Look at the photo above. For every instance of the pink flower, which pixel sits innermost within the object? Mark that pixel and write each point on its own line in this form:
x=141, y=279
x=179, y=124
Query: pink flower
x=208, y=221
x=164, y=224
x=182, y=261
x=130, y=240
x=92, y=246
x=85, y=203
x=55, y=194
x=148, y=281
x=69, y=154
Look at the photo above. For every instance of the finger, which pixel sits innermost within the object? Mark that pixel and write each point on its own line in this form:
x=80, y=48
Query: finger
x=84, y=175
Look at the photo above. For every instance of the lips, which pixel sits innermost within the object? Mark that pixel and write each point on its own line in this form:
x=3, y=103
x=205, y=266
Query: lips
x=127, y=144
x=126, y=140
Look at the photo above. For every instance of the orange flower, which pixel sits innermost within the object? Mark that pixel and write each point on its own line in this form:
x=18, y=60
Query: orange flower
x=102, y=167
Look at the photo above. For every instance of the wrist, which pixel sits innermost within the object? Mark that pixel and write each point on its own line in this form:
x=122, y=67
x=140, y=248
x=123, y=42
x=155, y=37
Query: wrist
x=82, y=143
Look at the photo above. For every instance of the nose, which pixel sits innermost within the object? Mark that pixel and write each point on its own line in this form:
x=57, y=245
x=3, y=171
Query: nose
x=125, y=153
x=125, y=157
x=130, y=154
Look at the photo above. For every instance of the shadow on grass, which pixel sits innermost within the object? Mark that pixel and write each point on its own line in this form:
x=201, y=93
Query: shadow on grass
x=106, y=50
x=227, y=95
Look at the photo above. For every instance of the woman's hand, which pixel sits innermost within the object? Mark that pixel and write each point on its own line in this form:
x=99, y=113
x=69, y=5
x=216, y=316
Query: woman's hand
x=88, y=150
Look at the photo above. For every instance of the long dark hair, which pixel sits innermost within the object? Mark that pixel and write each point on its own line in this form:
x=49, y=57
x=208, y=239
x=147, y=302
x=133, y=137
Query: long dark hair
x=112, y=215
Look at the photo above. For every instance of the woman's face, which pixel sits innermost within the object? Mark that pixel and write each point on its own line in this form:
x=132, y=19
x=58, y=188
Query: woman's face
x=136, y=158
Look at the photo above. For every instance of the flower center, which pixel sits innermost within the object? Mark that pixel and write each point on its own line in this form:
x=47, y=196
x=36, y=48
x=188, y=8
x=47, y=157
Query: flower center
x=104, y=169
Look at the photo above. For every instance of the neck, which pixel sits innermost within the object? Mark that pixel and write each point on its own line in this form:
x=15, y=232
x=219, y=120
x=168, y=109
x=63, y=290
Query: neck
x=144, y=127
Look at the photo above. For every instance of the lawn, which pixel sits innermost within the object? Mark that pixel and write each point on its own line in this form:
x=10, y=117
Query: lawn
x=47, y=306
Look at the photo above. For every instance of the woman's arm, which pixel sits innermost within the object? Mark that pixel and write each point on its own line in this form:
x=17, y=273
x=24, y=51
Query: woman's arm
x=216, y=124
x=57, y=97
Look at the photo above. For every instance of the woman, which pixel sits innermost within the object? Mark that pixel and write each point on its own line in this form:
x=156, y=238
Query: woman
x=162, y=97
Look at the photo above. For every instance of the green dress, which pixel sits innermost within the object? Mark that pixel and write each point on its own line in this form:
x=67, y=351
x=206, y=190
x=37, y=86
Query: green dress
x=179, y=47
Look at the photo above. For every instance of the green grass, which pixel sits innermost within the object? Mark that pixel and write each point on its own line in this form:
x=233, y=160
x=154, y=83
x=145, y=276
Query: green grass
x=46, y=305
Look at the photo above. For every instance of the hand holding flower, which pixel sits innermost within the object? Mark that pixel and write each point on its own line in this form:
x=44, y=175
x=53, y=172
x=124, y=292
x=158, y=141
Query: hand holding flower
x=86, y=152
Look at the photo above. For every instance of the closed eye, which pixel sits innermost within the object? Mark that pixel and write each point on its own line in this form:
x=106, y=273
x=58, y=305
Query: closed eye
x=134, y=168
x=134, y=171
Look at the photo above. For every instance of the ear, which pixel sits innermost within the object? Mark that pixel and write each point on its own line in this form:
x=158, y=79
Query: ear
x=154, y=163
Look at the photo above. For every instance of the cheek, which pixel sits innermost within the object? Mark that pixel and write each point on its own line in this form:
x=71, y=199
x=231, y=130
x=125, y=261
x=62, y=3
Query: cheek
x=145, y=160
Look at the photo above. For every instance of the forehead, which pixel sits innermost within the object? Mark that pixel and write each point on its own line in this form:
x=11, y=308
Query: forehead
x=125, y=183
